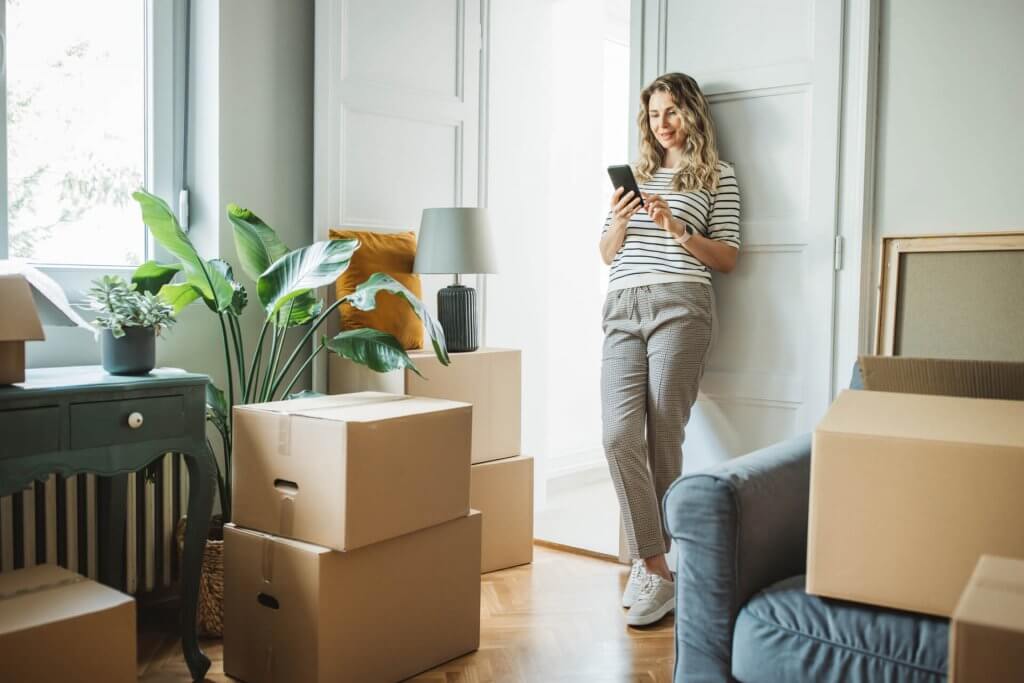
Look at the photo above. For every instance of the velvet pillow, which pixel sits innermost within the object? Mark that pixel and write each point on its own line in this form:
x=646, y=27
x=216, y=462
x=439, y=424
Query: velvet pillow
x=393, y=254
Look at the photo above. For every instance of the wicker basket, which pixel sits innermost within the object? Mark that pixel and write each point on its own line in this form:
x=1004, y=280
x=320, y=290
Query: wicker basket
x=210, y=609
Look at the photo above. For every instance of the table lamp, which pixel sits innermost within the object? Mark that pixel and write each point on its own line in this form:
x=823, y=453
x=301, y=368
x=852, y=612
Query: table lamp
x=456, y=241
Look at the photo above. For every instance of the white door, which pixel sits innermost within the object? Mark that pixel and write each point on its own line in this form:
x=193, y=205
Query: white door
x=771, y=71
x=396, y=115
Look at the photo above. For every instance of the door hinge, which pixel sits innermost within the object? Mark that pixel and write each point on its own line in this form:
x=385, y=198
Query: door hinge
x=837, y=253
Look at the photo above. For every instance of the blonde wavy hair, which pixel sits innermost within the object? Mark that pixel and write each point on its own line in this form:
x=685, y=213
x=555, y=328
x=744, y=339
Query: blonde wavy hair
x=698, y=169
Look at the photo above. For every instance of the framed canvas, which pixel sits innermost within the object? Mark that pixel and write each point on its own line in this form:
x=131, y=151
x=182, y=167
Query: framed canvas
x=952, y=296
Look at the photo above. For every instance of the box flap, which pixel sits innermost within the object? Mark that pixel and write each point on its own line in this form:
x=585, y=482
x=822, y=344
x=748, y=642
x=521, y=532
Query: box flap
x=364, y=406
x=938, y=418
x=20, y=321
x=46, y=594
x=944, y=377
x=381, y=409
x=1005, y=571
x=300, y=545
x=428, y=354
x=303, y=405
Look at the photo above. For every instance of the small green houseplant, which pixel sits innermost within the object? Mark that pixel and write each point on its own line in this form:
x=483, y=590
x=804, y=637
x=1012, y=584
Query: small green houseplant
x=130, y=321
x=286, y=283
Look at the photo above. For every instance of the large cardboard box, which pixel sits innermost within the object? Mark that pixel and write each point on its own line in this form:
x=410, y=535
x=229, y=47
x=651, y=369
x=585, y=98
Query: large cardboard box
x=986, y=636
x=58, y=626
x=299, y=612
x=19, y=323
x=347, y=471
x=488, y=378
x=503, y=491
x=908, y=491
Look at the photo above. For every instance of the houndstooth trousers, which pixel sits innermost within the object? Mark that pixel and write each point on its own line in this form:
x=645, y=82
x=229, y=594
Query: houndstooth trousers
x=656, y=342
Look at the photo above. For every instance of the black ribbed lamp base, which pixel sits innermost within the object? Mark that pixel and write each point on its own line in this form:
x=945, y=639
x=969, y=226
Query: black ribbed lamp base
x=456, y=311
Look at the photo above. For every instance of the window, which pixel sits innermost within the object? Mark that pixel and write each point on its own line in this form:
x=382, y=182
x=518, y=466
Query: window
x=91, y=116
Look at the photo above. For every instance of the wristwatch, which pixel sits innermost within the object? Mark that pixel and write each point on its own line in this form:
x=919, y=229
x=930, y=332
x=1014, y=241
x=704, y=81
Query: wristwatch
x=687, y=234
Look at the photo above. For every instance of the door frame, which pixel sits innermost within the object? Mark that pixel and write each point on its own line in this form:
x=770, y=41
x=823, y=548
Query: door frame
x=855, y=285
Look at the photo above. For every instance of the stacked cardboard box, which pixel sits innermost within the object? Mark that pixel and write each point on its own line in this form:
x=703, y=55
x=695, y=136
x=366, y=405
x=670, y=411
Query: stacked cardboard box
x=58, y=626
x=501, y=479
x=908, y=490
x=354, y=554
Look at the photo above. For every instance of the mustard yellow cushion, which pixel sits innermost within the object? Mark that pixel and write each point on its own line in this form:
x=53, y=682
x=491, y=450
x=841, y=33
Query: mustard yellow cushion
x=391, y=253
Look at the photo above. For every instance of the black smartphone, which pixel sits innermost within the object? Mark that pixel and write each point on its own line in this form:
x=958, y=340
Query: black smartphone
x=622, y=176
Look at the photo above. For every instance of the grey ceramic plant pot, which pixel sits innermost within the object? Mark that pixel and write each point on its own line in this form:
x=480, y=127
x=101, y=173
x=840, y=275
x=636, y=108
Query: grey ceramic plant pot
x=132, y=354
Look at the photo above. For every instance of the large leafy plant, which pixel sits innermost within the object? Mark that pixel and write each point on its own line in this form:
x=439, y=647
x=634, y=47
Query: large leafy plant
x=286, y=283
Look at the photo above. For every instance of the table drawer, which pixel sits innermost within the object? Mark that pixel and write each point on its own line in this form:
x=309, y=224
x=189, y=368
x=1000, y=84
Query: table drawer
x=106, y=423
x=28, y=431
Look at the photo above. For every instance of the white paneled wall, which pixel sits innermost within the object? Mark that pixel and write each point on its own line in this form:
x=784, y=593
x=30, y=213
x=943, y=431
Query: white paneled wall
x=396, y=118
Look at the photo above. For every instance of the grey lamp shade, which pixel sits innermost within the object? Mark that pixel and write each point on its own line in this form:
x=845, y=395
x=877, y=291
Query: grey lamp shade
x=454, y=241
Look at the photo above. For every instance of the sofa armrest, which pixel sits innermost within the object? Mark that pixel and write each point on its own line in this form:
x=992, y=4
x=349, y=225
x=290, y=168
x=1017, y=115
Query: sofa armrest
x=738, y=528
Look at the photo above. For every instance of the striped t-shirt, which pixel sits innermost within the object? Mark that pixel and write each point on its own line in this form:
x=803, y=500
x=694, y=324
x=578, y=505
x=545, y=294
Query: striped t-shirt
x=650, y=255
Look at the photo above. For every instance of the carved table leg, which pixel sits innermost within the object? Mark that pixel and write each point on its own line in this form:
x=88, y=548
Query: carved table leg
x=202, y=483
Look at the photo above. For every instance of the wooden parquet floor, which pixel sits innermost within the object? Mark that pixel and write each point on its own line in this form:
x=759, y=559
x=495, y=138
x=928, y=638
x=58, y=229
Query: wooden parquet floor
x=556, y=620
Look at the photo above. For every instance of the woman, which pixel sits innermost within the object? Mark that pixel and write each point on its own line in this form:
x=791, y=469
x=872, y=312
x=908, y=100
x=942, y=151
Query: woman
x=657, y=317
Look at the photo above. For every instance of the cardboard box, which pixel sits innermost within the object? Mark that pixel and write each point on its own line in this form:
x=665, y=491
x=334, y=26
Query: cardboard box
x=347, y=471
x=986, y=637
x=299, y=612
x=58, y=626
x=503, y=491
x=488, y=378
x=908, y=491
x=19, y=322
x=944, y=377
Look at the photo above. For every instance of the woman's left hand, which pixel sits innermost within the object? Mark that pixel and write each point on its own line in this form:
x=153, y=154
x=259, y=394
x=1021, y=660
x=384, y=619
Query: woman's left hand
x=659, y=211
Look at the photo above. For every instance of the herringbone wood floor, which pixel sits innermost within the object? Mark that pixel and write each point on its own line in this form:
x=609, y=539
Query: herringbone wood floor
x=557, y=620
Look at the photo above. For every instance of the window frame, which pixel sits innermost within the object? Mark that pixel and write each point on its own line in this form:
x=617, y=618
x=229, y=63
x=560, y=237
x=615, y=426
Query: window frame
x=166, y=26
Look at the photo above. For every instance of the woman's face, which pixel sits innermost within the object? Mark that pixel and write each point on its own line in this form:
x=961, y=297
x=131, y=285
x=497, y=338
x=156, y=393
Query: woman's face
x=666, y=120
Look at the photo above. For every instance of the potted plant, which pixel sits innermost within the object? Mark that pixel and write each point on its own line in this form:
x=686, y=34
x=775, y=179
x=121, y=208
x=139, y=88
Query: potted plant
x=130, y=321
x=286, y=284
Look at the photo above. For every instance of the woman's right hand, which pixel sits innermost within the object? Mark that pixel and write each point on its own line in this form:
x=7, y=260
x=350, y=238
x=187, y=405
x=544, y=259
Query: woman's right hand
x=623, y=208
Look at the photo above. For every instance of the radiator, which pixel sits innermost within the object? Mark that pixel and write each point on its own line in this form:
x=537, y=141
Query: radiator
x=58, y=521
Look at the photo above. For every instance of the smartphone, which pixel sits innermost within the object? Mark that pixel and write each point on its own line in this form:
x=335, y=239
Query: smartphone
x=622, y=176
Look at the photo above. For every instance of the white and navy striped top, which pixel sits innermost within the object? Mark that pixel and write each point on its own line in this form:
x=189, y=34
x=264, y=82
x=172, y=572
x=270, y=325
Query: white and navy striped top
x=650, y=255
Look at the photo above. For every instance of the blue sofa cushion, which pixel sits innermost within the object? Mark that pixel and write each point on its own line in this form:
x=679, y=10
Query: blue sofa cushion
x=783, y=634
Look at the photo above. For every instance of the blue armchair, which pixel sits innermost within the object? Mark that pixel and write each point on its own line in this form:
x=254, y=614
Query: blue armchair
x=742, y=613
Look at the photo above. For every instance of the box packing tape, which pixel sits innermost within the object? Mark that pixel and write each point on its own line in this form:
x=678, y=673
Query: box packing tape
x=67, y=581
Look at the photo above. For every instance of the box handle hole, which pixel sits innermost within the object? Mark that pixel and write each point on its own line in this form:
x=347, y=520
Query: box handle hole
x=289, y=488
x=268, y=601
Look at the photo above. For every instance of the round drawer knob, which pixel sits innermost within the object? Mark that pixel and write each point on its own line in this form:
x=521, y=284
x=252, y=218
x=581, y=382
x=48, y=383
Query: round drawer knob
x=135, y=420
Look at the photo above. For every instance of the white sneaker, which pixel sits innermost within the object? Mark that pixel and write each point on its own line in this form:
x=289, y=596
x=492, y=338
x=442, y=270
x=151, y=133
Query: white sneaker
x=635, y=582
x=657, y=598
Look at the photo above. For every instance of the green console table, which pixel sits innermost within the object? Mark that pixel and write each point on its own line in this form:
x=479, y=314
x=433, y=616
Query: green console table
x=77, y=420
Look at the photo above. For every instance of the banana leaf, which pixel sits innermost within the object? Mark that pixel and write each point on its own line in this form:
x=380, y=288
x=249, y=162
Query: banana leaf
x=217, y=291
x=303, y=270
x=379, y=351
x=365, y=299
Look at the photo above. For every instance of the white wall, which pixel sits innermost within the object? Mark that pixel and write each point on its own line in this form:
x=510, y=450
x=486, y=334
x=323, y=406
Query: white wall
x=950, y=151
x=518, y=192
x=266, y=126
